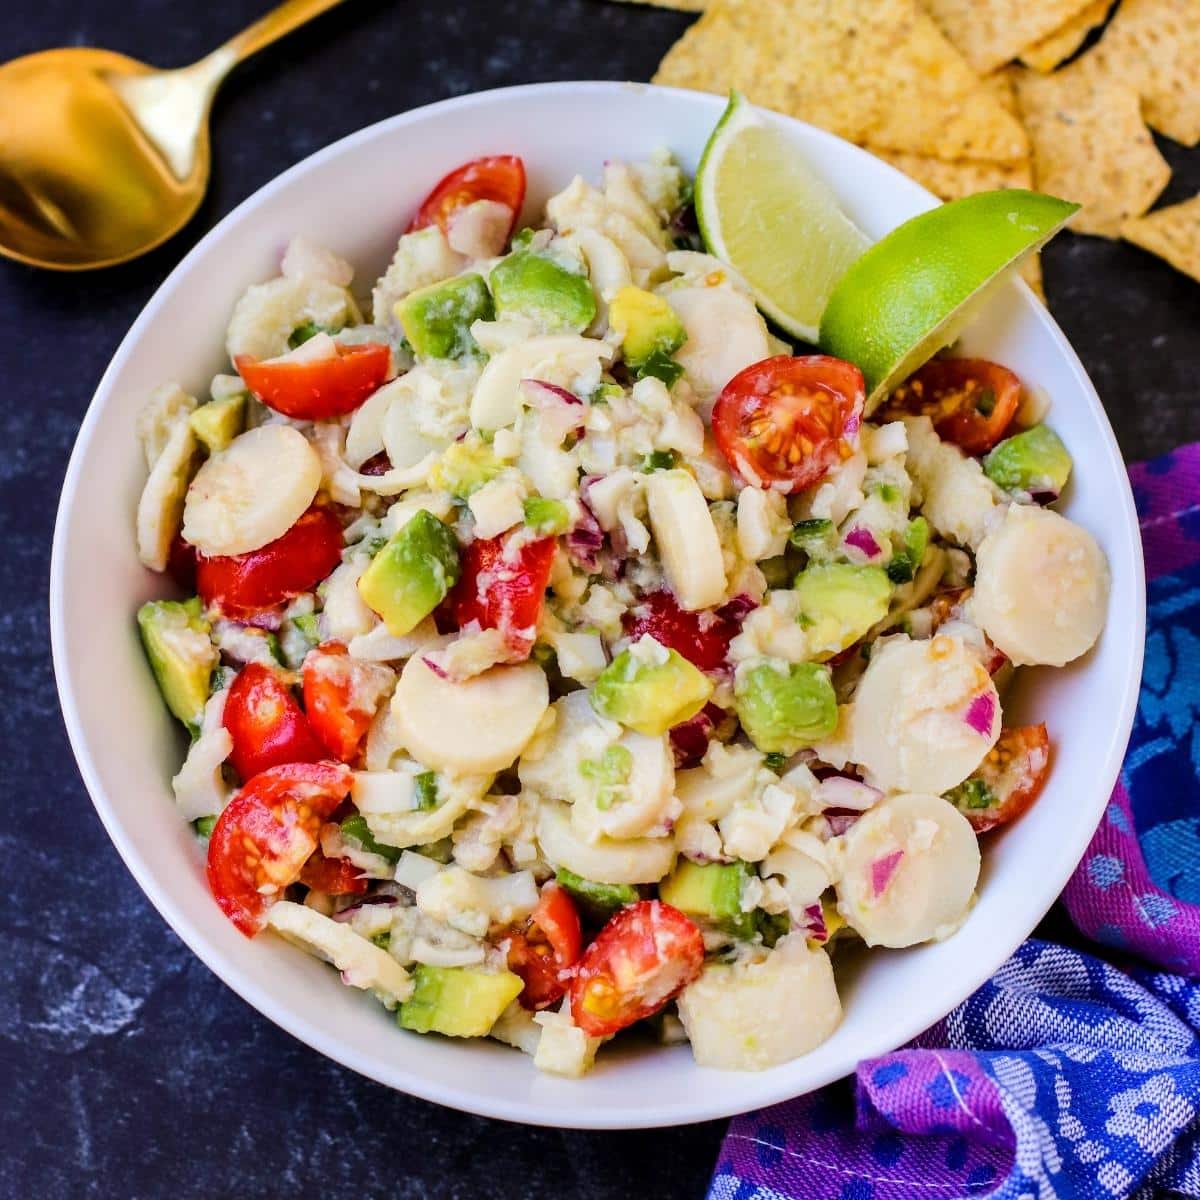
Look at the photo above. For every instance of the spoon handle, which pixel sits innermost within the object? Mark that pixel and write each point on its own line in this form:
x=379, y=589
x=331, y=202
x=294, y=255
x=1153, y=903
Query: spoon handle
x=278, y=22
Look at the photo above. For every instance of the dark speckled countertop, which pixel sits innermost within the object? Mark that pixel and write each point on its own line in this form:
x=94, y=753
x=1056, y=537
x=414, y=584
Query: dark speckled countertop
x=128, y=1070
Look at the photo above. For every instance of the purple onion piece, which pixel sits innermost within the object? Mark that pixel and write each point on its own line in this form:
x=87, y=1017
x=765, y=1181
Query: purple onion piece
x=863, y=539
x=366, y=902
x=737, y=609
x=538, y=391
x=436, y=668
x=981, y=712
x=689, y=740
x=814, y=923
x=586, y=540
x=843, y=793
x=840, y=819
x=882, y=870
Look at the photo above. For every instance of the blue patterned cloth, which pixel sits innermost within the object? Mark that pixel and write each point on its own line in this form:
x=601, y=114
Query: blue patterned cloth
x=1067, y=1076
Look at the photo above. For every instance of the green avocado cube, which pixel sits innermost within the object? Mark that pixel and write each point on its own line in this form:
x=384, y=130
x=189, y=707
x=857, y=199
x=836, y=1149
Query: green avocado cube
x=218, y=422
x=458, y=1001
x=465, y=467
x=182, y=656
x=1034, y=461
x=412, y=574
x=784, y=707
x=711, y=893
x=839, y=602
x=437, y=319
x=535, y=286
x=597, y=900
x=649, y=329
x=649, y=688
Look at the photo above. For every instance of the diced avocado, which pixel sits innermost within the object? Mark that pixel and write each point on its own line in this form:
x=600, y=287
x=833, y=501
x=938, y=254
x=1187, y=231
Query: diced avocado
x=839, y=602
x=907, y=558
x=354, y=829
x=535, y=286
x=546, y=517
x=218, y=422
x=465, y=467
x=647, y=326
x=650, y=688
x=181, y=654
x=204, y=826
x=1034, y=461
x=437, y=319
x=440, y=851
x=522, y=238
x=785, y=707
x=598, y=900
x=412, y=574
x=458, y=1001
x=711, y=893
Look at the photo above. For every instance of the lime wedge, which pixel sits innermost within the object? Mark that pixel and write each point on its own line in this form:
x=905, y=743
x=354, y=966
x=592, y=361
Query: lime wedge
x=912, y=292
x=763, y=210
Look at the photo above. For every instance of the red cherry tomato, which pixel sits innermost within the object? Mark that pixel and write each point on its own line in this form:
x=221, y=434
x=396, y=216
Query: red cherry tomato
x=551, y=944
x=317, y=391
x=1009, y=780
x=268, y=727
x=341, y=695
x=701, y=637
x=265, y=835
x=503, y=585
x=646, y=955
x=244, y=584
x=971, y=401
x=785, y=421
x=182, y=561
x=337, y=876
x=500, y=177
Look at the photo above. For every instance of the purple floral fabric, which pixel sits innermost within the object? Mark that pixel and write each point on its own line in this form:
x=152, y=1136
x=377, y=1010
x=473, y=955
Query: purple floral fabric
x=1067, y=1075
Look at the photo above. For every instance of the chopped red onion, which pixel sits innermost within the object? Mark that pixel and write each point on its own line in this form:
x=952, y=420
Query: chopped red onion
x=840, y=791
x=863, y=539
x=814, y=923
x=981, y=712
x=346, y=914
x=738, y=608
x=689, y=740
x=839, y=820
x=586, y=540
x=882, y=870
x=435, y=667
x=538, y=392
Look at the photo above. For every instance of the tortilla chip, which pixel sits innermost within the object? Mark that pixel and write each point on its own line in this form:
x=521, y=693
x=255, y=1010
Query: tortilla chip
x=1030, y=270
x=877, y=72
x=1155, y=46
x=1172, y=233
x=999, y=85
x=1091, y=145
x=951, y=180
x=989, y=33
x=1046, y=54
x=681, y=5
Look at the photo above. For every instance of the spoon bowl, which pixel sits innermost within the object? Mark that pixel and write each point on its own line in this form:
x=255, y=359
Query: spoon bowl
x=102, y=157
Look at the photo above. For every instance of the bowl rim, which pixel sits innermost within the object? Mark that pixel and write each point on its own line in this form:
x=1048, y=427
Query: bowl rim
x=425, y=1086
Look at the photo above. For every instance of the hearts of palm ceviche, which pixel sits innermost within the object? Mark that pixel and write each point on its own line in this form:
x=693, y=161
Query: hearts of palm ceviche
x=564, y=651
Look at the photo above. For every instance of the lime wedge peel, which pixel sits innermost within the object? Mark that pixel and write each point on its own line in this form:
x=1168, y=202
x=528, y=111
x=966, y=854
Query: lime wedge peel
x=911, y=294
x=764, y=211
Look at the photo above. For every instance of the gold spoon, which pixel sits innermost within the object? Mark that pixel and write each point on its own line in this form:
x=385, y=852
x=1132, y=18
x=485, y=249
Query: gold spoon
x=102, y=157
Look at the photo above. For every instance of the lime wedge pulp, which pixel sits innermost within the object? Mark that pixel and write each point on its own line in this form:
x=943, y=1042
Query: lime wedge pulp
x=913, y=291
x=764, y=211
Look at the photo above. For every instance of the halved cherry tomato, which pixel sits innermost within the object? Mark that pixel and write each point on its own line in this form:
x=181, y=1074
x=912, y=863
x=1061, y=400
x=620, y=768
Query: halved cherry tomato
x=503, y=585
x=646, y=955
x=340, y=697
x=971, y=401
x=701, y=637
x=949, y=606
x=784, y=422
x=265, y=835
x=337, y=876
x=182, y=561
x=550, y=944
x=500, y=177
x=317, y=391
x=1009, y=779
x=268, y=727
x=244, y=584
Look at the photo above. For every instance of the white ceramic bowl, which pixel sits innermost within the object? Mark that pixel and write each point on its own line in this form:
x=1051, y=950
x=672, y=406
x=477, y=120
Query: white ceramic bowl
x=356, y=196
